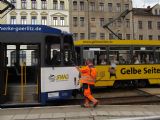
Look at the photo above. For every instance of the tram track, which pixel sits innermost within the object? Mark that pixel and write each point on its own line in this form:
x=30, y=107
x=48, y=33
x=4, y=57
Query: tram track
x=111, y=96
x=136, y=96
x=134, y=100
x=141, y=97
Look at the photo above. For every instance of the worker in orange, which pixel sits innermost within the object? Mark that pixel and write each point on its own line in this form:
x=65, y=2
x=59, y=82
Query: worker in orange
x=87, y=79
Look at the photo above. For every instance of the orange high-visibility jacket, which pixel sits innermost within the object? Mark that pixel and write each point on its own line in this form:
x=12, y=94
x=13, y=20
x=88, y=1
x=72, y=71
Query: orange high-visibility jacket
x=88, y=75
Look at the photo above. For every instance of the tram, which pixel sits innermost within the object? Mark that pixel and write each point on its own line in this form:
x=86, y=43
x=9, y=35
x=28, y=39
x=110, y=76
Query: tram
x=36, y=65
x=122, y=63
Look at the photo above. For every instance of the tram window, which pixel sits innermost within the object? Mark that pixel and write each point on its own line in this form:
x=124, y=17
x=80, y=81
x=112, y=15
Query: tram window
x=28, y=55
x=68, y=51
x=11, y=55
x=55, y=54
x=23, y=57
x=119, y=55
x=67, y=54
x=157, y=55
x=78, y=55
x=53, y=50
x=67, y=57
x=98, y=55
x=144, y=55
x=34, y=58
x=12, y=58
x=143, y=48
x=20, y=54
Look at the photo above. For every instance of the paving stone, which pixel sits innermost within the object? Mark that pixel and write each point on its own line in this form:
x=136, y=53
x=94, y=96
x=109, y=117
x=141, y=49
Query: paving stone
x=53, y=119
x=114, y=113
x=102, y=113
x=59, y=115
x=84, y=114
x=19, y=117
x=149, y=113
x=46, y=115
x=33, y=116
x=57, y=119
x=126, y=113
x=6, y=117
x=71, y=114
x=85, y=118
x=157, y=112
x=93, y=113
x=100, y=118
x=78, y=114
x=138, y=113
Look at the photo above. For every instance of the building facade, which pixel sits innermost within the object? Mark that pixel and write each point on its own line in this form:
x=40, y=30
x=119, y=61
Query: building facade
x=147, y=23
x=87, y=18
x=54, y=13
x=2, y=16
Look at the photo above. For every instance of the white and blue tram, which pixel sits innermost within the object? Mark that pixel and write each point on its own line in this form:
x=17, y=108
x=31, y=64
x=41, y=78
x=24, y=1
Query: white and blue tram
x=36, y=65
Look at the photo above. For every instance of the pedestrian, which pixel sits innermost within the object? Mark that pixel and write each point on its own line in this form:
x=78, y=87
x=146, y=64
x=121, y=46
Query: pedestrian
x=87, y=80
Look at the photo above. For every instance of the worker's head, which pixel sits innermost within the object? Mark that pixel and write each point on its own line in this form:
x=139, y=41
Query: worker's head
x=89, y=62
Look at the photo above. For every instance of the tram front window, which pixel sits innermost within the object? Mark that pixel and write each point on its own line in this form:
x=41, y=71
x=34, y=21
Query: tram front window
x=55, y=54
x=68, y=48
x=68, y=55
x=59, y=52
x=53, y=51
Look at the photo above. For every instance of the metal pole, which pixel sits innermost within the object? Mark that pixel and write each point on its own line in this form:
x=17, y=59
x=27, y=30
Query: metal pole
x=22, y=84
x=88, y=20
x=6, y=85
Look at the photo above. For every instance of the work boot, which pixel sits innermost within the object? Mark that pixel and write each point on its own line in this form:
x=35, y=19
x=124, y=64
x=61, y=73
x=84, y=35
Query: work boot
x=95, y=104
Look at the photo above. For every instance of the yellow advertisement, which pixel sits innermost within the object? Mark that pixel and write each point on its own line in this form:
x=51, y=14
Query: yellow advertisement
x=106, y=76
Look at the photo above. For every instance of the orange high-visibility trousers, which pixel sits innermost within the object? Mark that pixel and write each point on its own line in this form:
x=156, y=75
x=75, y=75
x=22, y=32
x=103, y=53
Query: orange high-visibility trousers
x=88, y=95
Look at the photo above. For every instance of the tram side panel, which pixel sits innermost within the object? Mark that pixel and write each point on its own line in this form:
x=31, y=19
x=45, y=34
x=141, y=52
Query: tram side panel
x=58, y=83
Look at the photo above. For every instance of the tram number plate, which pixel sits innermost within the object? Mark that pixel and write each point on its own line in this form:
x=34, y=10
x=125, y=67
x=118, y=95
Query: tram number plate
x=53, y=95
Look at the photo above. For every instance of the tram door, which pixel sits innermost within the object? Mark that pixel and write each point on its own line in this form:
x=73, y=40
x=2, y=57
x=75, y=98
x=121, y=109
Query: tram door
x=21, y=74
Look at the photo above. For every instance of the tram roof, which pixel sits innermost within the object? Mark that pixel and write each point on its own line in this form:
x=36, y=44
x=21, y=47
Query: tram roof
x=115, y=42
x=29, y=28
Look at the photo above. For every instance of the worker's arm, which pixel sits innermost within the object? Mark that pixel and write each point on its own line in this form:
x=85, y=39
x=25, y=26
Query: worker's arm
x=78, y=68
x=82, y=70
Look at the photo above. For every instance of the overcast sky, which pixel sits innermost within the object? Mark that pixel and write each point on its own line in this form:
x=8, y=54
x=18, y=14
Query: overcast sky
x=144, y=3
